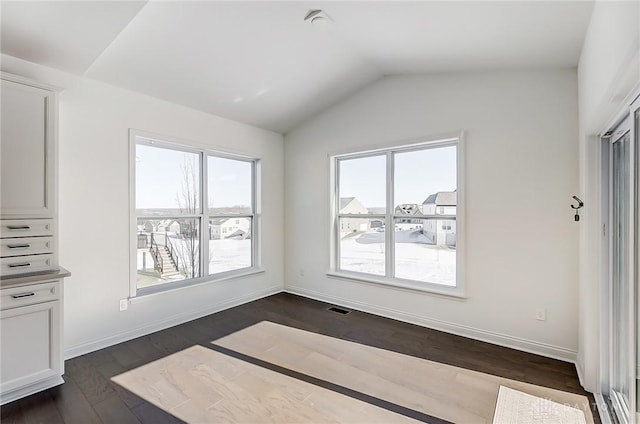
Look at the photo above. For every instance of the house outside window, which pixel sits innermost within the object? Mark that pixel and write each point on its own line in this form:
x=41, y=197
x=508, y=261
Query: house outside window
x=194, y=214
x=397, y=216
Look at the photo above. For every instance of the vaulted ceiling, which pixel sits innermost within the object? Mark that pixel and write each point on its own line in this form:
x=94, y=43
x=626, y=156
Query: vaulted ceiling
x=262, y=64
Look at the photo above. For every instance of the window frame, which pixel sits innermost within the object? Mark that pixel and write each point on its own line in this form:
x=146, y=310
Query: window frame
x=454, y=139
x=137, y=137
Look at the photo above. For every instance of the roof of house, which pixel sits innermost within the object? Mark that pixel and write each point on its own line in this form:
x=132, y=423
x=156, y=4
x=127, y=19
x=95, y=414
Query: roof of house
x=237, y=233
x=430, y=200
x=377, y=210
x=167, y=222
x=408, y=208
x=220, y=221
x=442, y=198
x=344, y=201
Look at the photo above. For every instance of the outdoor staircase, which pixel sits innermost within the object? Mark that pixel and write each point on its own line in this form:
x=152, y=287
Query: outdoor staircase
x=170, y=268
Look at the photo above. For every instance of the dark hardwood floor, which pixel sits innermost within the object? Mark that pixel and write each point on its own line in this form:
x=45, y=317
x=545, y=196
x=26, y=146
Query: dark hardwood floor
x=89, y=396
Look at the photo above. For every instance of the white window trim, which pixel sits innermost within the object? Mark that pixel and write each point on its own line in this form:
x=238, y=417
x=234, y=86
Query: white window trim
x=204, y=151
x=440, y=140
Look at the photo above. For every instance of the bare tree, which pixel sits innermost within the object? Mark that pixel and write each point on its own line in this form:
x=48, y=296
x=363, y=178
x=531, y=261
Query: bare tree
x=189, y=203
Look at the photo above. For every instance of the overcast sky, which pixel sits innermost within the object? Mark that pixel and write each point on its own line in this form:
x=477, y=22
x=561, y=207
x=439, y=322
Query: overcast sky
x=417, y=175
x=159, y=179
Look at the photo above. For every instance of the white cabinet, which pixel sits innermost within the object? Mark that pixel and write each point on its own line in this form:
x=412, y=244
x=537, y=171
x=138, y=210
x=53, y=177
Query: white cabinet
x=28, y=141
x=30, y=277
x=29, y=345
x=31, y=331
x=28, y=134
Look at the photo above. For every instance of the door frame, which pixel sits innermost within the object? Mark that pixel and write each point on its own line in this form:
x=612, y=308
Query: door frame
x=625, y=122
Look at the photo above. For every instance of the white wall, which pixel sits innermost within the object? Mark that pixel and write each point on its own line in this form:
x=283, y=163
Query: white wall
x=521, y=171
x=609, y=64
x=94, y=207
x=609, y=70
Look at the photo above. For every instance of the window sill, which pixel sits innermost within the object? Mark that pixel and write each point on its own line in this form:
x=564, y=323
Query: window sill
x=428, y=288
x=212, y=279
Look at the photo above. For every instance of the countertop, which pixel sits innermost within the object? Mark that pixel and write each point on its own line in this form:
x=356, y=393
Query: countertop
x=19, y=280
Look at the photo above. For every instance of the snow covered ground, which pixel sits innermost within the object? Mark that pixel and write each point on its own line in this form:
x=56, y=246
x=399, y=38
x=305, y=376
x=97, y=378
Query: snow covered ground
x=224, y=255
x=415, y=259
x=228, y=254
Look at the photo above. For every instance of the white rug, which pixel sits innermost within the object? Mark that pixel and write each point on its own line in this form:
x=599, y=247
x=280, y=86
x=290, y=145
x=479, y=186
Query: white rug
x=514, y=407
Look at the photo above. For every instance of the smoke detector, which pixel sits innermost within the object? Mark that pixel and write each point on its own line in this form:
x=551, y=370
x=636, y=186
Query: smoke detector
x=317, y=17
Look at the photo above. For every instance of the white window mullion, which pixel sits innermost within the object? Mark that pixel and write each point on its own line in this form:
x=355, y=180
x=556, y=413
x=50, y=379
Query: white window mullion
x=204, y=212
x=390, y=224
x=336, y=216
x=254, y=234
x=255, y=225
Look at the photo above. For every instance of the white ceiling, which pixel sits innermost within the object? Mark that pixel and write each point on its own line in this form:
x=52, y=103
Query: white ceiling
x=260, y=63
x=65, y=35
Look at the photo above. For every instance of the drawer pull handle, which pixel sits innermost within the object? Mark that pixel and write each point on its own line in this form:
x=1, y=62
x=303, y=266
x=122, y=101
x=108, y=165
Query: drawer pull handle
x=19, y=265
x=18, y=227
x=18, y=246
x=18, y=296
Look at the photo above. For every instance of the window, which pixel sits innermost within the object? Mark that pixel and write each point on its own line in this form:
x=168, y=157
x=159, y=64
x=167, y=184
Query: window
x=396, y=216
x=186, y=201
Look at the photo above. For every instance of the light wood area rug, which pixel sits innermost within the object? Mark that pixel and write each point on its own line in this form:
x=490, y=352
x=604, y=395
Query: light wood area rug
x=515, y=407
x=273, y=373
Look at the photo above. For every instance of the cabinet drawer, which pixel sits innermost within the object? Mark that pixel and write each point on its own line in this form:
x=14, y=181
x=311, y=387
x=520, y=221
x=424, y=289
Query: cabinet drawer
x=14, y=297
x=22, y=246
x=25, y=227
x=26, y=264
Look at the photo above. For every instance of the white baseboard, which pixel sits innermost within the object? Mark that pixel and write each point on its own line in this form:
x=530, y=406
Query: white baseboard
x=543, y=349
x=530, y=346
x=94, y=345
x=579, y=372
x=30, y=389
